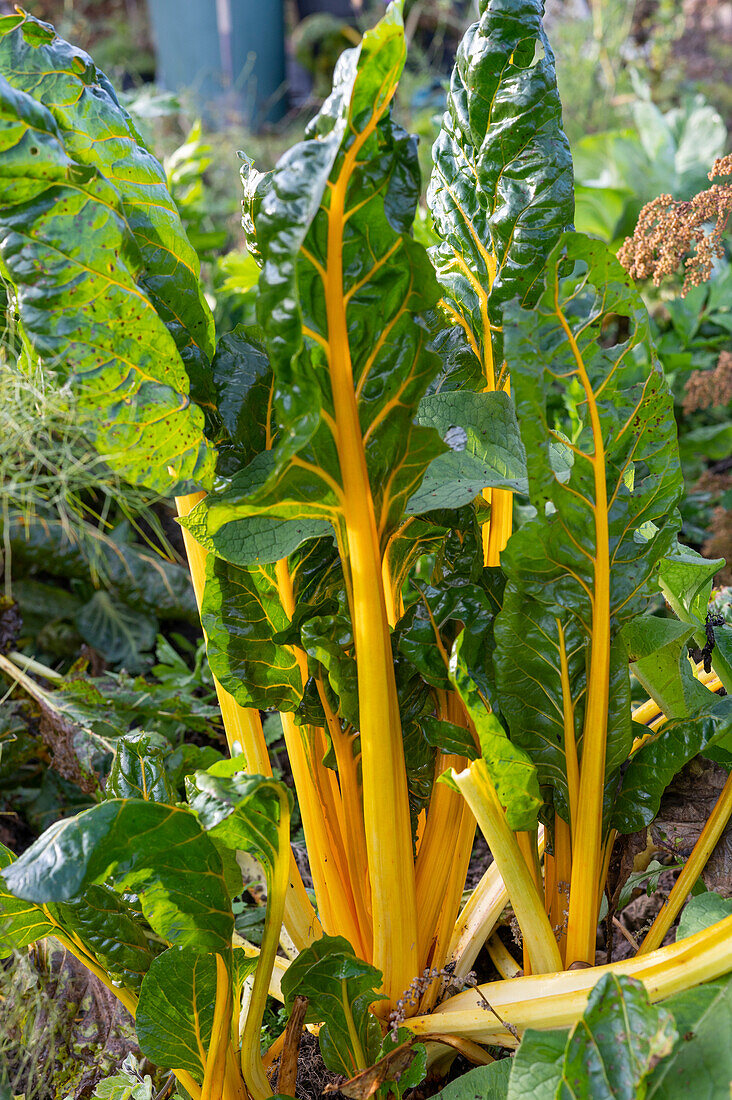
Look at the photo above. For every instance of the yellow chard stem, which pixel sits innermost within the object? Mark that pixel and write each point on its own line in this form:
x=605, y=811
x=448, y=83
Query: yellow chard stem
x=479, y=792
x=252, y=1068
x=216, y=1057
x=243, y=728
x=587, y=829
x=558, y=1000
x=477, y=920
x=695, y=864
x=384, y=780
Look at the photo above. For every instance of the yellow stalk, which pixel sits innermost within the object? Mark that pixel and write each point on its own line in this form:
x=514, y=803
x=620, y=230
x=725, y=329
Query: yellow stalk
x=216, y=1057
x=440, y=941
x=587, y=829
x=557, y=891
x=355, y=835
x=502, y=958
x=278, y=971
x=477, y=920
x=695, y=864
x=243, y=728
x=432, y=870
x=558, y=1000
x=385, y=799
x=321, y=806
x=478, y=790
x=570, y=743
x=252, y=1068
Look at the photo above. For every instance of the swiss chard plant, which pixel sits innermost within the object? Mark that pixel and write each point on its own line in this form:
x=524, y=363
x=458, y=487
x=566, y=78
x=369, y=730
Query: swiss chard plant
x=346, y=472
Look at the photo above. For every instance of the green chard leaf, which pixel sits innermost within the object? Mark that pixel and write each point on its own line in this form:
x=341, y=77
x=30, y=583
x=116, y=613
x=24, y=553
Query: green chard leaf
x=105, y=282
x=501, y=190
x=156, y=851
x=99, y=133
x=581, y=567
x=487, y=1082
x=655, y=764
x=102, y=921
x=700, y=1064
x=609, y=1054
x=21, y=922
x=238, y=810
x=138, y=771
x=333, y=229
x=174, y=1017
x=658, y=656
x=702, y=912
x=340, y=988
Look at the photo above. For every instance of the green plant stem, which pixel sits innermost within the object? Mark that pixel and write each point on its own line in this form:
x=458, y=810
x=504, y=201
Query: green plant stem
x=252, y=1067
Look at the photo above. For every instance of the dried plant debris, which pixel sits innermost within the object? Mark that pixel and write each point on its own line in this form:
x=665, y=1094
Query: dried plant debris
x=706, y=388
x=670, y=232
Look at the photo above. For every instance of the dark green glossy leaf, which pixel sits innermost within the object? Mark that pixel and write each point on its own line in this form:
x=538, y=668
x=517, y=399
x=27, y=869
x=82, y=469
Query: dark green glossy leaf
x=655, y=764
x=21, y=922
x=333, y=230
x=501, y=187
x=700, y=1064
x=595, y=533
x=616, y=1044
x=98, y=133
x=243, y=380
x=138, y=771
x=104, y=924
x=428, y=629
x=487, y=1082
x=338, y=986
x=513, y=773
x=241, y=614
x=174, y=1016
x=449, y=738
x=328, y=641
x=156, y=851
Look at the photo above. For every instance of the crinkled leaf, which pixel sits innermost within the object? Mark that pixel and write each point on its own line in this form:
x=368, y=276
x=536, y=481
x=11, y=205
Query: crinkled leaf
x=501, y=186
x=702, y=912
x=238, y=810
x=428, y=629
x=333, y=229
x=241, y=614
x=511, y=769
x=485, y=449
x=174, y=1016
x=102, y=921
x=700, y=1064
x=97, y=132
x=685, y=578
x=616, y=1044
x=582, y=566
x=156, y=851
x=654, y=765
x=242, y=377
x=337, y=985
x=77, y=272
x=449, y=738
x=138, y=771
